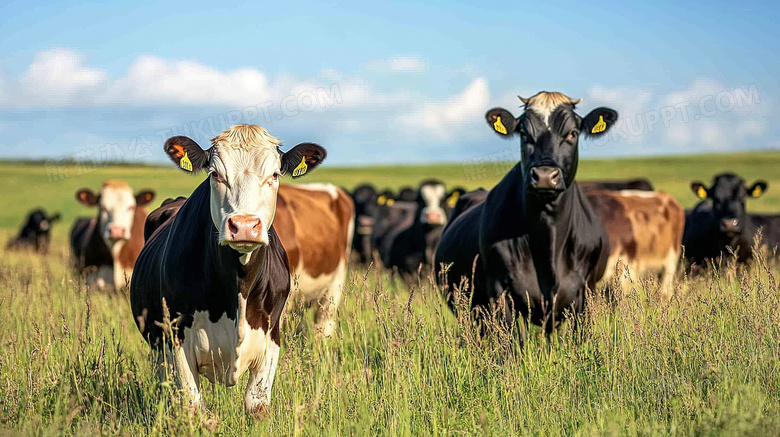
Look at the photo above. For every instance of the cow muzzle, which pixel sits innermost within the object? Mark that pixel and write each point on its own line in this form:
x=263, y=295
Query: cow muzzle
x=730, y=226
x=546, y=178
x=245, y=233
x=116, y=233
x=434, y=216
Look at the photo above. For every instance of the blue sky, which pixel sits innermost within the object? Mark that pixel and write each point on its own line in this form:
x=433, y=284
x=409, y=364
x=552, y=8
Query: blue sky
x=397, y=82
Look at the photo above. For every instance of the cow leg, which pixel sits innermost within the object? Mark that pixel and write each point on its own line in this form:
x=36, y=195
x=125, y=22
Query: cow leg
x=184, y=370
x=325, y=319
x=670, y=270
x=257, y=399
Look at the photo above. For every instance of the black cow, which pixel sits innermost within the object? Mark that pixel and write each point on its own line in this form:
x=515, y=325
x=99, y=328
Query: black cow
x=640, y=184
x=719, y=222
x=407, y=194
x=218, y=267
x=365, y=199
x=391, y=215
x=536, y=235
x=34, y=233
x=415, y=243
x=770, y=224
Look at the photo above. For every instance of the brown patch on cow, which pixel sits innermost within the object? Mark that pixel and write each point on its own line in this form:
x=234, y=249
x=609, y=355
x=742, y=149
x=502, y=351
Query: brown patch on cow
x=132, y=248
x=115, y=184
x=613, y=215
x=313, y=228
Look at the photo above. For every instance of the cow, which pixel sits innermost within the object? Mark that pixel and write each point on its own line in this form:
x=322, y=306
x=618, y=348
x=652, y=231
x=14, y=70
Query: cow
x=770, y=225
x=365, y=199
x=406, y=194
x=218, y=267
x=645, y=231
x=104, y=248
x=315, y=223
x=640, y=184
x=35, y=232
x=391, y=214
x=414, y=243
x=719, y=224
x=535, y=238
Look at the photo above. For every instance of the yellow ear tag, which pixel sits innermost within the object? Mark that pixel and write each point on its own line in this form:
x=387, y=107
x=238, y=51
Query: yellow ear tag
x=453, y=199
x=702, y=193
x=301, y=169
x=600, y=126
x=498, y=126
x=185, y=163
x=757, y=191
x=390, y=202
x=381, y=200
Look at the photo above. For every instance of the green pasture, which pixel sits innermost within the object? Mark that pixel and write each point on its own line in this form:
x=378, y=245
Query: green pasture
x=706, y=362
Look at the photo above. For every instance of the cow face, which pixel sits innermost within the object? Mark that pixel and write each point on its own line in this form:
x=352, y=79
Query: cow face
x=728, y=194
x=39, y=224
x=117, y=205
x=365, y=199
x=431, y=200
x=244, y=164
x=549, y=131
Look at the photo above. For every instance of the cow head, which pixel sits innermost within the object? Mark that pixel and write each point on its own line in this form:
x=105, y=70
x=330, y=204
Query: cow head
x=117, y=205
x=38, y=223
x=365, y=199
x=431, y=201
x=244, y=164
x=728, y=194
x=549, y=132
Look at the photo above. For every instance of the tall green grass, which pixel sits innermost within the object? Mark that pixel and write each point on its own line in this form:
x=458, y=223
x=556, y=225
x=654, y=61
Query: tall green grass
x=706, y=362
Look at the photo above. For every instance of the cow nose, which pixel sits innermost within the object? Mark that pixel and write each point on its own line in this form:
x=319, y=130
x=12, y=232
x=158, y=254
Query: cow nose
x=244, y=228
x=116, y=232
x=545, y=178
x=730, y=225
x=434, y=217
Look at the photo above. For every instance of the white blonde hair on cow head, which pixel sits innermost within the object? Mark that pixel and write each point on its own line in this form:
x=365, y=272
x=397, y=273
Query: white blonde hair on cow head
x=544, y=103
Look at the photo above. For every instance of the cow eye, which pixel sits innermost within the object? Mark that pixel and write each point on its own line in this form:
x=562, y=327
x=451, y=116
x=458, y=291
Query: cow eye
x=572, y=136
x=215, y=176
x=276, y=176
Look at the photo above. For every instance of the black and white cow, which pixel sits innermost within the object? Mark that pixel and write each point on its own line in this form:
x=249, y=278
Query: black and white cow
x=414, y=243
x=720, y=223
x=35, y=232
x=535, y=237
x=218, y=265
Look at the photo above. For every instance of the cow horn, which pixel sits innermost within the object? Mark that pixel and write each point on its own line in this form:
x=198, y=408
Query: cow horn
x=525, y=101
x=574, y=102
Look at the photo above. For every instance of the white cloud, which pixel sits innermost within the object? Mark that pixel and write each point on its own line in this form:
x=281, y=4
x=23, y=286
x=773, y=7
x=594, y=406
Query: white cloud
x=400, y=64
x=57, y=78
x=446, y=119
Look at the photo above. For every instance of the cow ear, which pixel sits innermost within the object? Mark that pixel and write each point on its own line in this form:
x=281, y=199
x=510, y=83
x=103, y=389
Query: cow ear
x=699, y=190
x=501, y=121
x=87, y=197
x=758, y=189
x=144, y=197
x=598, y=121
x=453, y=196
x=54, y=217
x=302, y=159
x=186, y=154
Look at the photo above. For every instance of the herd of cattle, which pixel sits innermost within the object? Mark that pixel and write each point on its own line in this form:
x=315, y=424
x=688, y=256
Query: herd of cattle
x=223, y=261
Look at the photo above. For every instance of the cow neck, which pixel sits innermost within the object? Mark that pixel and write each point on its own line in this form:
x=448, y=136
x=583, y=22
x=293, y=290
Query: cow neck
x=511, y=213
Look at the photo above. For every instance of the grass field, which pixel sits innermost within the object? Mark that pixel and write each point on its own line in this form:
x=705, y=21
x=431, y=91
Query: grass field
x=705, y=363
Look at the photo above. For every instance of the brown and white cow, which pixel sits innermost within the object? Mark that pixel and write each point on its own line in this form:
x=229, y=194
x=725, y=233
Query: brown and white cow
x=104, y=248
x=645, y=230
x=218, y=267
x=316, y=223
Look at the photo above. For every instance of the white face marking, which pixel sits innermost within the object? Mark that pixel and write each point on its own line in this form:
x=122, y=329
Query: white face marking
x=432, y=196
x=244, y=183
x=117, y=211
